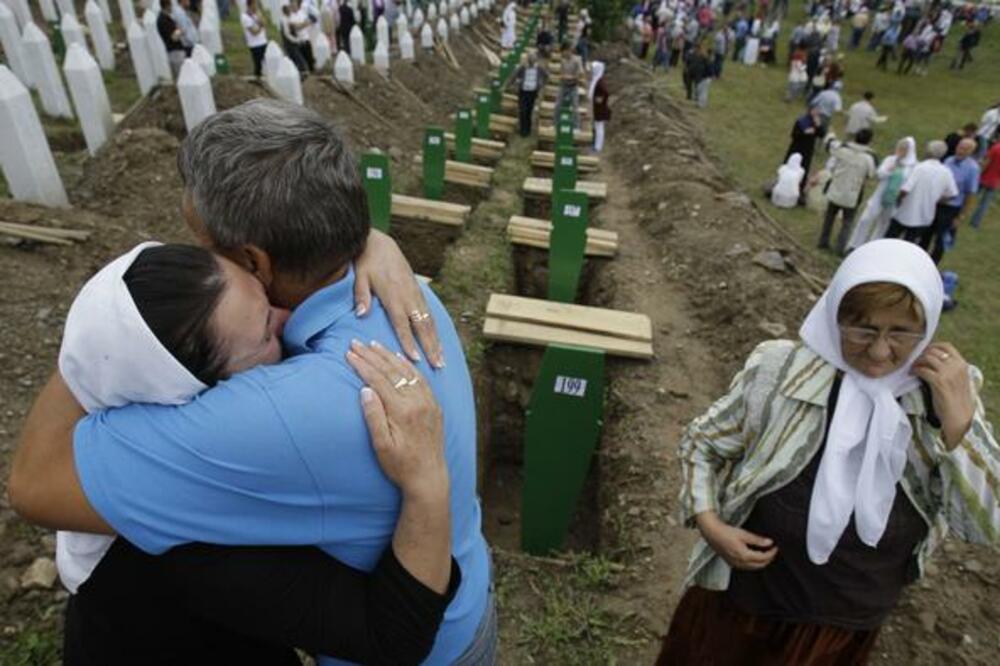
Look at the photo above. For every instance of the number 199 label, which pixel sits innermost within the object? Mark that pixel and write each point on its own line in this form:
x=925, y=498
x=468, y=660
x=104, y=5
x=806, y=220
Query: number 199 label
x=571, y=386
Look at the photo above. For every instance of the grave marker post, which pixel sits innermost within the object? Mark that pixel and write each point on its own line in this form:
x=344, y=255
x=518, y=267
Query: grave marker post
x=567, y=243
x=434, y=163
x=496, y=91
x=562, y=426
x=565, y=171
x=378, y=189
x=463, y=135
x=483, y=110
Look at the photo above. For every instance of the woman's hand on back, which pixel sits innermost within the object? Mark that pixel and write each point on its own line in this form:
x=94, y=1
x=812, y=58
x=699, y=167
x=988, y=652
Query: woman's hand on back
x=739, y=548
x=947, y=373
x=383, y=269
x=404, y=421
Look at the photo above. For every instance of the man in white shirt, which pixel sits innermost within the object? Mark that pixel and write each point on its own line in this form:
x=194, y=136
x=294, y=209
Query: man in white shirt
x=862, y=115
x=930, y=183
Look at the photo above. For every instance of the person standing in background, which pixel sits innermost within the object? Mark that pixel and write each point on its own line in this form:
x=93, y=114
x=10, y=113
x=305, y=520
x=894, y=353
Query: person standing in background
x=601, y=108
x=255, y=34
x=529, y=79
x=989, y=180
x=862, y=115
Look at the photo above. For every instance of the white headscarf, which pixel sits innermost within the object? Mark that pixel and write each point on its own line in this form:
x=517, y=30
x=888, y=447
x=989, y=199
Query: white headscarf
x=910, y=158
x=597, y=71
x=869, y=435
x=109, y=356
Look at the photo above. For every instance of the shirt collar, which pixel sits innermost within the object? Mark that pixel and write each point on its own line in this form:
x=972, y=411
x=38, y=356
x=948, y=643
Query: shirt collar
x=318, y=313
x=809, y=379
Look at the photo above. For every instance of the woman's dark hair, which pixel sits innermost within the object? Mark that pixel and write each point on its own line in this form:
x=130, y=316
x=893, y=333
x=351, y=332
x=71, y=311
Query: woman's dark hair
x=176, y=288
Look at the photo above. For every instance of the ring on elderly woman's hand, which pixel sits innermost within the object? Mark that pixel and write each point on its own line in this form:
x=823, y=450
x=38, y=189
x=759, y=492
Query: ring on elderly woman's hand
x=417, y=316
x=944, y=356
x=413, y=382
x=400, y=383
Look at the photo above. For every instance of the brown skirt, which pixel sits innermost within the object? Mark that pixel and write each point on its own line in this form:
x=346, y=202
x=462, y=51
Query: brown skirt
x=706, y=631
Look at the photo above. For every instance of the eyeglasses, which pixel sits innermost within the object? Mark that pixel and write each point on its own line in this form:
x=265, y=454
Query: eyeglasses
x=858, y=335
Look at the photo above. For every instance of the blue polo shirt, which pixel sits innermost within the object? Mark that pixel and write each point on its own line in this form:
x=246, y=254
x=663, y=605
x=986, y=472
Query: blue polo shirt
x=280, y=455
x=966, y=174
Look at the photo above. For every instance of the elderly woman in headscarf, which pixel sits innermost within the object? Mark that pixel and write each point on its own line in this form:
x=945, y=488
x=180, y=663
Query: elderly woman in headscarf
x=892, y=173
x=786, y=190
x=598, y=94
x=824, y=479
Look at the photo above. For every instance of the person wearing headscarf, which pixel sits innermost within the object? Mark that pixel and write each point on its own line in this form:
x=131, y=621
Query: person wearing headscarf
x=598, y=93
x=509, y=21
x=892, y=173
x=824, y=479
x=786, y=190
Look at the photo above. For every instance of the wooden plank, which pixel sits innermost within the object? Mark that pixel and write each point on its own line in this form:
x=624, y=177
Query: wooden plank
x=69, y=234
x=545, y=225
x=547, y=133
x=542, y=241
x=542, y=187
x=442, y=212
x=37, y=236
x=519, y=332
x=547, y=160
x=629, y=325
x=463, y=173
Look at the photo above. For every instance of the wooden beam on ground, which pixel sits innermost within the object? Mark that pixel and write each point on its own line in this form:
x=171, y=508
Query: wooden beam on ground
x=542, y=187
x=542, y=159
x=460, y=173
x=547, y=134
x=41, y=234
x=548, y=109
x=530, y=321
x=484, y=149
x=442, y=212
x=537, y=233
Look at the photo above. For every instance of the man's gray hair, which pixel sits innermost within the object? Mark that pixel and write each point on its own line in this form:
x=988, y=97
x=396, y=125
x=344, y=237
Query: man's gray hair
x=936, y=149
x=279, y=176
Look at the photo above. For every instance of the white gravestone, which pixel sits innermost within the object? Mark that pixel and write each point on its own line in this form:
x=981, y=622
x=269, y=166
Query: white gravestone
x=287, y=82
x=204, y=59
x=357, y=45
x=442, y=29
x=127, y=11
x=103, y=48
x=20, y=10
x=71, y=31
x=454, y=24
x=26, y=160
x=402, y=25
x=272, y=58
x=90, y=97
x=442, y=9
x=49, y=12
x=66, y=7
x=432, y=13
x=418, y=19
x=427, y=37
x=382, y=30
x=208, y=30
x=45, y=74
x=10, y=39
x=474, y=11
x=105, y=10
x=406, y=50
x=343, y=69
x=138, y=49
x=321, y=49
x=157, y=49
x=465, y=17
x=195, y=90
x=381, y=58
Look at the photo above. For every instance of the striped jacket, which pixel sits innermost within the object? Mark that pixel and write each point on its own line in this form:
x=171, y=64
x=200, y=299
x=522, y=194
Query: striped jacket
x=764, y=432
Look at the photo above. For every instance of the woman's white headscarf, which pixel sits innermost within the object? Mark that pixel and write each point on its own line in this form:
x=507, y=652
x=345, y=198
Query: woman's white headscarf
x=869, y=435
x=597, y=71
x=109, y=356
x=910, y=158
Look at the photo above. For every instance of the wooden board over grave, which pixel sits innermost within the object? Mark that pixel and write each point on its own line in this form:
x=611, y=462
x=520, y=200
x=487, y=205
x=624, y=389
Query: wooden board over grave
x=416, y=208
x=547, y=134
x=533, y=232
x=460, y=173
x=542, y=187
x=483, y=149
x=530, y=321
x=541, y=159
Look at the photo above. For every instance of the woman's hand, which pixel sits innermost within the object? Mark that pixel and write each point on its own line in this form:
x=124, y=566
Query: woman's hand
x=383, y=269
x=404, y=420
x=739, y=548
x=947, y=373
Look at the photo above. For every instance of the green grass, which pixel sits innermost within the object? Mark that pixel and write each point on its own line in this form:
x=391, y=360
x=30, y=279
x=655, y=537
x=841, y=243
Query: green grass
x=31, y=648
x=747, y=127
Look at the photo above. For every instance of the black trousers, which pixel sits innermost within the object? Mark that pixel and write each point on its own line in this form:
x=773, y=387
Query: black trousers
x=526, y=106
x=911, y=234
x=944, y=223
x=257, y=54
x=845, y=230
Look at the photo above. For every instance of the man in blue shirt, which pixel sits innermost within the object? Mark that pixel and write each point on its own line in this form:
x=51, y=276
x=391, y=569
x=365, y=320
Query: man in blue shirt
x=280, y=455
x=949, y=212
